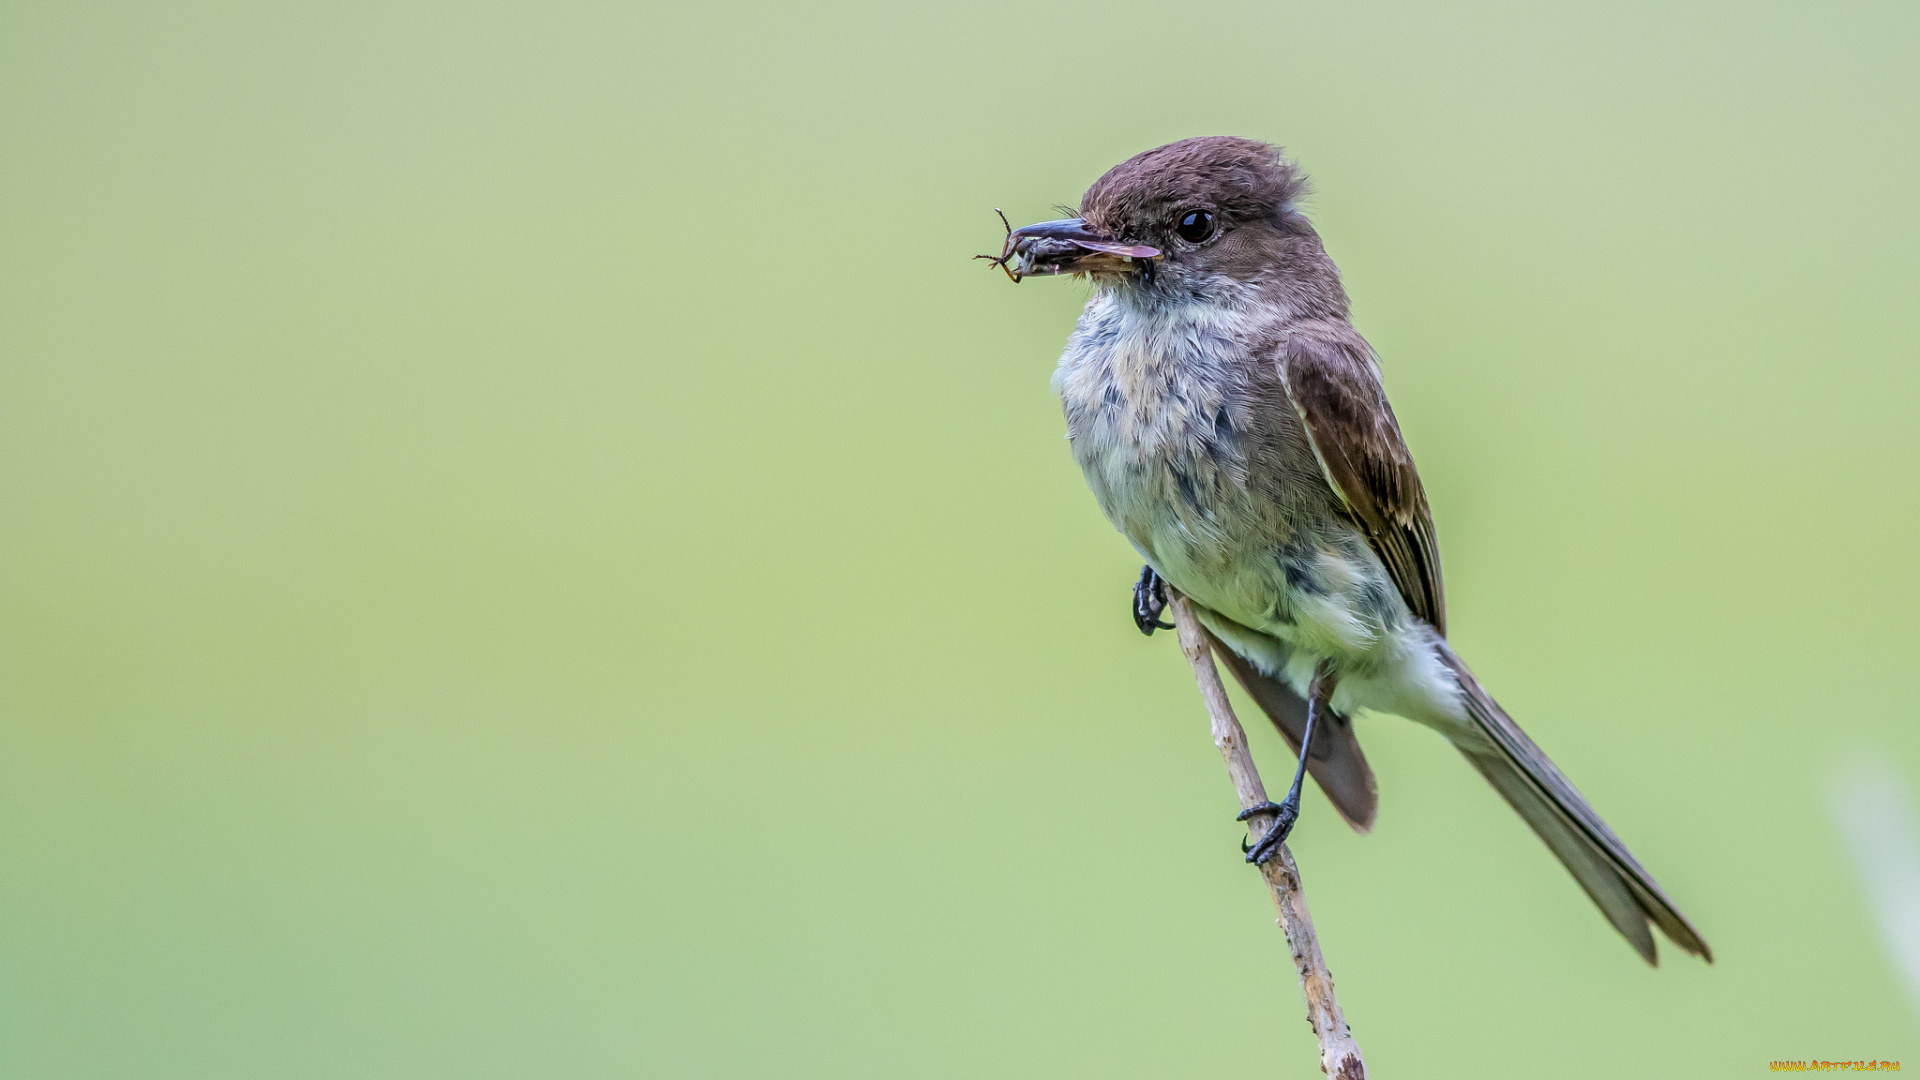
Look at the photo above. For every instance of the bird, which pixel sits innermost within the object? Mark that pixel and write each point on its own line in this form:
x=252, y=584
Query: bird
x=1233, y=426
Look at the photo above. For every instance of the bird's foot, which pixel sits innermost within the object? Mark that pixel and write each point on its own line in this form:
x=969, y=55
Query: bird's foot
x=1149, y=600
x=1284, y=815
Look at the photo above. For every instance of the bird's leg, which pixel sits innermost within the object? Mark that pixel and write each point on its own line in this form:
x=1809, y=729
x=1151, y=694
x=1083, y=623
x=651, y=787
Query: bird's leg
x=1149, y=600
x=1287, y=810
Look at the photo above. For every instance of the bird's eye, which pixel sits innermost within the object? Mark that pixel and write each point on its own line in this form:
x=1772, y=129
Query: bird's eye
x=1195, y=226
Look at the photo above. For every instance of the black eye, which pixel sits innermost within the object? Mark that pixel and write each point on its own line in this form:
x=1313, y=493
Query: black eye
x=1195, y=226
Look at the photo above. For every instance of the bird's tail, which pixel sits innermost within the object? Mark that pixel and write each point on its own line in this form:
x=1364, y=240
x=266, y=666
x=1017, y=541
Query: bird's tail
x=1548, y=801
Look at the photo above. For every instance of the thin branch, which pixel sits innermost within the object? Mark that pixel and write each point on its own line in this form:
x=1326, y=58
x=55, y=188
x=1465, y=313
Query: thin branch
x=1339, y=1054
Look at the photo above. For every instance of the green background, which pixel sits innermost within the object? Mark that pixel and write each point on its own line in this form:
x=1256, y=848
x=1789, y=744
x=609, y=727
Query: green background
x=530, y=550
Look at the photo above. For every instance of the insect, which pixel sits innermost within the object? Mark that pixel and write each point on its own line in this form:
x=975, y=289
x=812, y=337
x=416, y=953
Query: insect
x=1062, y=247
x=1006, y=252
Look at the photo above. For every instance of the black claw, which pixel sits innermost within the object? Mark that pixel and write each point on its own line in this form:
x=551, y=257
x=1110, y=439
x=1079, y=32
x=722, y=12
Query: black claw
x=1287, y=811
x=1149, y=600
x=1284, y=814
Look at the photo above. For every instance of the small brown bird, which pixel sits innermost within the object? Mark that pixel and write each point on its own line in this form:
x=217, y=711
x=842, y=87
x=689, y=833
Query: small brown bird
x=1231, y=422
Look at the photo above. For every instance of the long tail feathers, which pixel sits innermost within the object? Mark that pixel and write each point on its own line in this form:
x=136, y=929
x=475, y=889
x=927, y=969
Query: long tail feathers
x=1336, y=762
x=1521, y=772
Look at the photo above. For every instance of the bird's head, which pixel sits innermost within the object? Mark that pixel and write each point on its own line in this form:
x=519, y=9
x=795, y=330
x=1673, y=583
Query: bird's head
x=1195, y=218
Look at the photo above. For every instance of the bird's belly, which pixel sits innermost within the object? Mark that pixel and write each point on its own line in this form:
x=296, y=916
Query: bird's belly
x=1310, y=581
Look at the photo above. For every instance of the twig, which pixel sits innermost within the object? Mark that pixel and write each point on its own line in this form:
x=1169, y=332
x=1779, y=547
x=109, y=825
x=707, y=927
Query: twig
x=1339, y=1054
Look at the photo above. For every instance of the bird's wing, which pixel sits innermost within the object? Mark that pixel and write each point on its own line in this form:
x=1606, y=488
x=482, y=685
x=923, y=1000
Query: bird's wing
x=1334, y=384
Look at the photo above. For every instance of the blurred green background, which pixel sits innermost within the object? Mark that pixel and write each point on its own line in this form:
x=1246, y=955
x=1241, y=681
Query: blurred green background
x=530, y=550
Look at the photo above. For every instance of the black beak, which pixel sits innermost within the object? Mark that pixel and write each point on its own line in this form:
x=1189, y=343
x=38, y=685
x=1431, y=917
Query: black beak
x=1067, y=246
x=1074, y=229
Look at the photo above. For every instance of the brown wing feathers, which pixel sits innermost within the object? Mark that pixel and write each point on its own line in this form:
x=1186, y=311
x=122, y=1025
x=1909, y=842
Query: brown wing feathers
x=1335, y=387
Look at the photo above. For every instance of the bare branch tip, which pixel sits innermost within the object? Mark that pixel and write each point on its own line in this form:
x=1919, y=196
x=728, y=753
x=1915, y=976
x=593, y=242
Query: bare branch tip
x=1339, y=1055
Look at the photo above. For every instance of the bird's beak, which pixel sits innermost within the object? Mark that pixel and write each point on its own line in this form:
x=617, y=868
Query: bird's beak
x=1069, y=247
